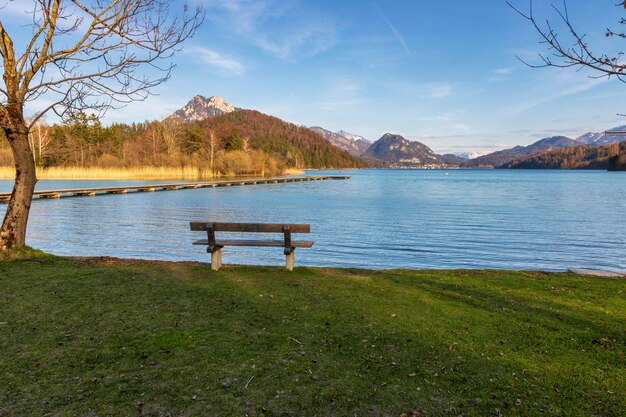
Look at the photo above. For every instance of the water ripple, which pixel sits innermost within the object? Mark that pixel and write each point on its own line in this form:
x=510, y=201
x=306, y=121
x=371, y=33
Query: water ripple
x=549, y=220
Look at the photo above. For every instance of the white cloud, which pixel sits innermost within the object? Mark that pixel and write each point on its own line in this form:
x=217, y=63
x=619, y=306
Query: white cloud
x=286, y=30
x=462, y=126
x=503, y=71
x=216, y=60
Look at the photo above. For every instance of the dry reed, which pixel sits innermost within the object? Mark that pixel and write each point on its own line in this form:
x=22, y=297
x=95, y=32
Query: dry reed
x=136, y=173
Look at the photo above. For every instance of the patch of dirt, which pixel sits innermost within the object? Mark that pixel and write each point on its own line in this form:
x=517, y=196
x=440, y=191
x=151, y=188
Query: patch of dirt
x=110, y=260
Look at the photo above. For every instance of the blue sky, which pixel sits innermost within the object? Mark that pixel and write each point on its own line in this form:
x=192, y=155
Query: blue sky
x=441, y=72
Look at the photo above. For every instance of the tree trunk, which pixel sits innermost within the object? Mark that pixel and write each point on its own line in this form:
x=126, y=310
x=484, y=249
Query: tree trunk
x=13, y=231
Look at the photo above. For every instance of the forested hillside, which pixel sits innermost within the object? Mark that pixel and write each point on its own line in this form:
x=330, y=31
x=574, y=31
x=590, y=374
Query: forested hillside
x=579, y=157
x=297, y=146
x=243, y=142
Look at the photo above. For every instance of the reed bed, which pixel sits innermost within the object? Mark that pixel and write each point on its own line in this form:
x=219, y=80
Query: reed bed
x=293, y=171
x=135, y=173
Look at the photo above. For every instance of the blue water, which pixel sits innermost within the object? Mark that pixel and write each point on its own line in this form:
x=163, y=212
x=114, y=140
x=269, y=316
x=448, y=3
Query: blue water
x=548, y=220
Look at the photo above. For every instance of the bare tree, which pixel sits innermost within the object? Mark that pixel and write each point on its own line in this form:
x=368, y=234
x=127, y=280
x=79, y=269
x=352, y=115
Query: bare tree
x=172, y=132
x=568, y=47
x=245, y=144
x=80, y=55
x=39, y=138
x=212, y=148
x=154, y=133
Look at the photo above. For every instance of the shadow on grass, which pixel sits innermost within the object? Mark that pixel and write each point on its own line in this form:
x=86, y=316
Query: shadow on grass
x=176, y=339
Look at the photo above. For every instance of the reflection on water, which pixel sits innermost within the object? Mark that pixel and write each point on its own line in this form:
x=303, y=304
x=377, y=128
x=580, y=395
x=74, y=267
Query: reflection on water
x=549, y=220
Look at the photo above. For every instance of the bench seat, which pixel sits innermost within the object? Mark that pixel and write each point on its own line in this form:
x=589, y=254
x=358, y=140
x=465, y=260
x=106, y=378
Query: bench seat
x=215, y=245
x=265, y=243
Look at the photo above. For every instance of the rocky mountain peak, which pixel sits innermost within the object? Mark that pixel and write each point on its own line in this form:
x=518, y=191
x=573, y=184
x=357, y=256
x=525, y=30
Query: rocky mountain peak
x=354, y=144
x=399, y=151
x=353, y=137
x=200, y=108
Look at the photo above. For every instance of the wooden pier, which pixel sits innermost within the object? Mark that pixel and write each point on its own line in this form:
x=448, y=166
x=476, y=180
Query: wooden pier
x=91, y=192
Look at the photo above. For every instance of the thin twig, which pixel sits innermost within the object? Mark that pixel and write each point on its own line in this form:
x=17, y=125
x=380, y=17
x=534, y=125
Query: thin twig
x=295, y=340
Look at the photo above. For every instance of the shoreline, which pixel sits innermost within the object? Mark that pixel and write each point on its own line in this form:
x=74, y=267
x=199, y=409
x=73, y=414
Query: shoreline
x=580, y=272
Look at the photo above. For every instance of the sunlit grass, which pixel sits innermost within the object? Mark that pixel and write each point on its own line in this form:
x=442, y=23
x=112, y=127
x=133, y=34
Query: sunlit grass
x=111, y=337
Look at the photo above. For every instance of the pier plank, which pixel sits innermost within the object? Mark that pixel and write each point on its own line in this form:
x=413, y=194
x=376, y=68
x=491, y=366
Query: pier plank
x=98, y=191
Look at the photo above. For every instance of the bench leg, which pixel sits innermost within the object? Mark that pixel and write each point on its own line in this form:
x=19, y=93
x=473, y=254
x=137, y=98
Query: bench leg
x=216, y=260
x=290, y=260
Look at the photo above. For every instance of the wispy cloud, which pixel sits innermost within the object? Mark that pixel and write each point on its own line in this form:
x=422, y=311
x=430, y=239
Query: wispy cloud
x=287, y=30
x=17, y=8
x=563, y=86
x=440, y=118
x=435, y=90
x=500, y=74
x=216, y=60
x=341, y=94
x=154, y=107
x=396, y=33
x=462, y=126
x=503, y=71
x=440, y=90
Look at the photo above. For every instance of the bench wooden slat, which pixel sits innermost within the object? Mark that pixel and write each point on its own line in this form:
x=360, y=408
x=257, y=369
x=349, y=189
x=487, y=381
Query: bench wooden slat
x=249, y=227
x=263, y=243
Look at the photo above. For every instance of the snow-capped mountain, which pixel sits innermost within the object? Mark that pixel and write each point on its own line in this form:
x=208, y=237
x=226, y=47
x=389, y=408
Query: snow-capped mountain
x=600, y=138
x=472, y=155
x=354, y=144
x=200, y=108
x=352, y=136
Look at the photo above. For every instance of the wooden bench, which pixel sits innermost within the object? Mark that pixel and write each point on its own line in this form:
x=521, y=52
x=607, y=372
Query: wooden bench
x=214, y=246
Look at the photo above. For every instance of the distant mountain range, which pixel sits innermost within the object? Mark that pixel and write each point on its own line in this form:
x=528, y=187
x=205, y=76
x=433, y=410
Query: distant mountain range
x=471, y=155
x=577, y=157
x=504, y=158
x=354, y=144
x=396, y=151
x=452, y=159
x=498, y=158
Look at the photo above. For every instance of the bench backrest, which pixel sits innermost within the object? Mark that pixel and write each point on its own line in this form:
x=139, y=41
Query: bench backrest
x=250, y=227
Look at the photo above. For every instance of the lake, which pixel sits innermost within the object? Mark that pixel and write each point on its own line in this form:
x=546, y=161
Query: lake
x=418, y=219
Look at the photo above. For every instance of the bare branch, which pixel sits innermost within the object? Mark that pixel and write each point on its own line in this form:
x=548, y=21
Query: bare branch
x=576, y=52
x=88, y=54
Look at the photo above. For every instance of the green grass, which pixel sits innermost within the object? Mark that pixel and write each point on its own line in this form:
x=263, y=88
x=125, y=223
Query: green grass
x=133, y=338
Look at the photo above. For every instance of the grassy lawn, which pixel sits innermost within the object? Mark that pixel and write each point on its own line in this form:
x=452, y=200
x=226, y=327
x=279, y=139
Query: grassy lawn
x=134, y=338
